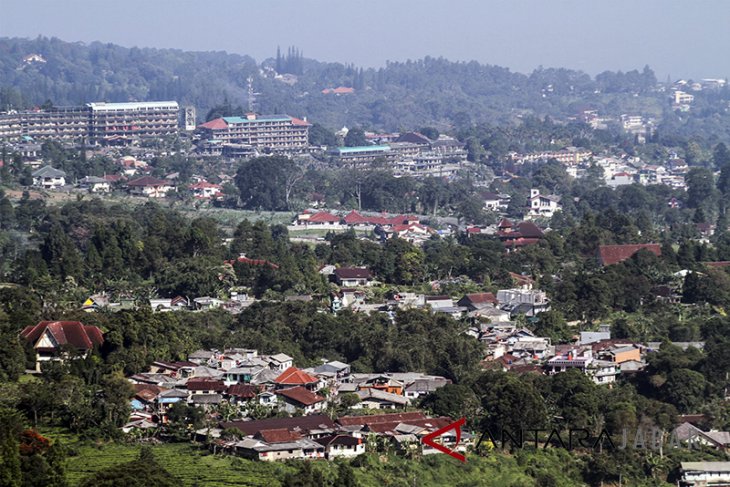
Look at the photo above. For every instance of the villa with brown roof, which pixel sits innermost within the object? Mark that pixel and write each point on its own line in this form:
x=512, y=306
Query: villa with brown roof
x=302, y=399
x=58, y=340
x=352, y=276
x=150, y=187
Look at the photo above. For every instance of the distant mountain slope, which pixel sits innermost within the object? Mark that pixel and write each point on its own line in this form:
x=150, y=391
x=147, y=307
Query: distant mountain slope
x=400, y=95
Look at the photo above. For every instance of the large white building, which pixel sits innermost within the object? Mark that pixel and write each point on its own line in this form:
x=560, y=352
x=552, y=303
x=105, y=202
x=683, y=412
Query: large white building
x=97, y=122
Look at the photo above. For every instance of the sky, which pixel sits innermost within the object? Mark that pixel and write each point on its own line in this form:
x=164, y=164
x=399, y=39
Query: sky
x=683, y=39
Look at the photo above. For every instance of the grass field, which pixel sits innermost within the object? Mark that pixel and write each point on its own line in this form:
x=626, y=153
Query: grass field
x=193, y=466
x=198, y=467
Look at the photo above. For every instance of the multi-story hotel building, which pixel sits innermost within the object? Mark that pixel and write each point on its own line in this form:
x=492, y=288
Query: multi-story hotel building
x=56, y=123
x=278, y=133
x=10, y=126
x=110, y=121
x=95, y=122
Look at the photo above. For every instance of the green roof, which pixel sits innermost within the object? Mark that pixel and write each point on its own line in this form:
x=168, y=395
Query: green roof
x=363, y=148
x=262, y=118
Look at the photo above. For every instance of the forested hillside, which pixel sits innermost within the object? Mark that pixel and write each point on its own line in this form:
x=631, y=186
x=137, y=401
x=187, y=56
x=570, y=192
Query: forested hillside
x=438, y=92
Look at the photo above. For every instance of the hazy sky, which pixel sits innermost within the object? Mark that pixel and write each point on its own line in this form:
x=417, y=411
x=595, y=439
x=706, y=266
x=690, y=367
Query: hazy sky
x=681, y=38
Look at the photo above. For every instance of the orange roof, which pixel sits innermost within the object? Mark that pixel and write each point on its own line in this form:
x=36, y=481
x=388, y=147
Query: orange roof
x=295, y=377
x=217, y=124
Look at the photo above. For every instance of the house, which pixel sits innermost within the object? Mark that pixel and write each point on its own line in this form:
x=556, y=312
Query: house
x=588, y=337
x=245, y=371
x=349, y=298
x=613, y=254
x=477, y=301
x=414, y=233
x=293, y=377
x=334, y=369
x=239, y=393
x=600, y=371
x=438, y=302
x=95, y=184
x=281, y=446
x=352, y=276
x=704, y=474
x=312, y=427
x=205, y=190
x=339, y=445
x=620, y=179
x=177, y=303
x=523, y=301
x=280, y=362
x=95, y=302
x=59, y=340
x=49, y=178
x=423, y=387
x=620, y=355
x=495, y=201
x=323, y=219
x=150, y=187
x=300, y=399
x=514, y=236
x=206, y=303
x=205, y=386
x=378, y=399
x=542, y=205
x=382, y=383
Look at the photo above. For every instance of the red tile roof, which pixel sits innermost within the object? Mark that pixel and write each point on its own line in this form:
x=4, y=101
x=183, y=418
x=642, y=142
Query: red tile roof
x=380, y=418
x=73, y=333
x=203, y=185
x=301, y=395
x=300, y=122
x=505, y=223
x=613, y=254
x=244, y=391
x=217, y=124
x=355, y=218
x=206, y=385
x=480, y=298
x=295, y=377
x=280, y=435
x=323, y=217
x=145, y=181
x=718, y=264
x=428, y=423
x=302, y=424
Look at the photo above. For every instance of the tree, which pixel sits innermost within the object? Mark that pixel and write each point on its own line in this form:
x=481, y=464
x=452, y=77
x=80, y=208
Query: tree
x=319, y=135
x=429, y=132
x=10, y=428
x=355, y=138
x=685, y=389
x=721, y=155
x=453, y=400
x=60, y=254
x=510, y=403
x=7, y=214
x=265, y=183
x=700, y=186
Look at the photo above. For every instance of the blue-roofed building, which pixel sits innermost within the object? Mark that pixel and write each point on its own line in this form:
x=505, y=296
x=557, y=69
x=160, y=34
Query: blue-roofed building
x=362, y=154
